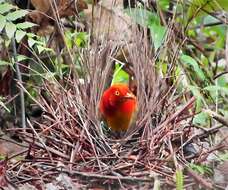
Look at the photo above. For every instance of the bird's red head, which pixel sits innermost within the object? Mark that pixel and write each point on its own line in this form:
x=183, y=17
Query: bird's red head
x=116, y=95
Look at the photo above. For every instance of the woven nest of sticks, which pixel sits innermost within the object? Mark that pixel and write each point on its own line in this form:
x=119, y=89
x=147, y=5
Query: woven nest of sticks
x=70, y=139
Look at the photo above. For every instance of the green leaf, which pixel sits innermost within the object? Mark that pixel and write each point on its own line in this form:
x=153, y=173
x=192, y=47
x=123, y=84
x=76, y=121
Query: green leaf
x=201, y=169
x=21, y=57
x=81, y=39
x=198, y=168
x=163, y=4
x=157, y=34
x=25, y=25
x=151, y=20
x=31, y=35
x=223, y=80
x=186, y=59
x=142, y=16
x=19, y=35
x=199, y=98
x=39, y=42
x=2, y=157
x=42, y=48
x=201, y=119
x=2, y=63
x=31, y=42
x=179, y=180
x=16, y=15
x=5, y=7
x=68, y=38
x=217, y=33
x=2, y=22
x=198, y=7
x=214, y=88
x=157, y=31
x=10, y=29
x=209, y=19
x=223, y=156
x=120, y=76
x=4, y=106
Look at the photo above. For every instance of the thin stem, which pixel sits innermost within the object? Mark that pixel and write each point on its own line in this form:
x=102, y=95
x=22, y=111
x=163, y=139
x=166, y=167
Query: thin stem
x=18, y=73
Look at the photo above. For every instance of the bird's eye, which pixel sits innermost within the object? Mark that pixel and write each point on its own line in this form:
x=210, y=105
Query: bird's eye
x=117, y=93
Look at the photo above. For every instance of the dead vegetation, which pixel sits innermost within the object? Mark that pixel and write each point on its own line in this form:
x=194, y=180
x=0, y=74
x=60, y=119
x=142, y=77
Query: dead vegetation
x=70, y=139
x=70, y=148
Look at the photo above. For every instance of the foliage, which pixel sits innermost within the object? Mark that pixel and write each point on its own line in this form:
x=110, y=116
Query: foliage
x=3, y=105
x=148, y=19
x=223, y=157
x=201, y=169
x=179, y=53
x=197, y=7
x=2, y=157
x=120, y=76
x=8, y=15
x=179, y=178
x=80, y=39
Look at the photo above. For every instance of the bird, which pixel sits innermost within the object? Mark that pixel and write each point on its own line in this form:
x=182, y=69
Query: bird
x=118, y=106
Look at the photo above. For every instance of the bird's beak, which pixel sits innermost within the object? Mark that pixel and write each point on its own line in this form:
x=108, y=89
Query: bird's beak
x=129, y=96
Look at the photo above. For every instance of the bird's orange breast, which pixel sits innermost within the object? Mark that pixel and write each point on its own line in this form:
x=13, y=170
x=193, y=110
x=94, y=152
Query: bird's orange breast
x=122, y=117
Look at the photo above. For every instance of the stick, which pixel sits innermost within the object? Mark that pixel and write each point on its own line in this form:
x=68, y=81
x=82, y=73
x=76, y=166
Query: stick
x=18, y=73
x=199, y=179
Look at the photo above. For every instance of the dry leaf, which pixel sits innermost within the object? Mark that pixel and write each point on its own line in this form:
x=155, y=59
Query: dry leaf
x=41, y=5
x=47, y=11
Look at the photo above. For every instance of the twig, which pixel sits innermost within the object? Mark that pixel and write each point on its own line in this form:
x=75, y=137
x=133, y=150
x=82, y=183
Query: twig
x=217, y=117
x=105, y=177
x=199, y=179
x=18, y=154
x=14, y=142
x=201, y=135
x=208, y=25
x=226, y=52
x=222, y=73
x=19, y=77
x=52, y=150
x=37, y=135
x=213, y=149
x=176, y=114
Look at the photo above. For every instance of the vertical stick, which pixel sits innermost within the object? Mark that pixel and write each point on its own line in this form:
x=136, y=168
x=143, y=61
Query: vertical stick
x=18, y=73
